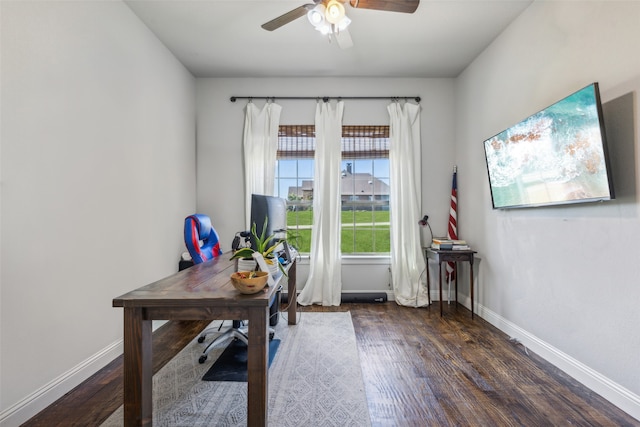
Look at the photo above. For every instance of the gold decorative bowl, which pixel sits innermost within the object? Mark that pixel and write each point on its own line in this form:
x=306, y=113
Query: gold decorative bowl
x=249, y=282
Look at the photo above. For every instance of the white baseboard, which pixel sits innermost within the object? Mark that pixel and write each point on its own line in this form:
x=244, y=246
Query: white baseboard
x=32, y=404
x=610, y=390
x=390, y=296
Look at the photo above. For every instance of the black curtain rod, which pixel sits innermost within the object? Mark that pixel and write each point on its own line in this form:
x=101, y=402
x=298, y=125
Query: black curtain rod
x=324, y=98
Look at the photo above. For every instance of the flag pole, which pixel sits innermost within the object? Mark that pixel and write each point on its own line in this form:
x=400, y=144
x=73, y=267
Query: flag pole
x=452, y=228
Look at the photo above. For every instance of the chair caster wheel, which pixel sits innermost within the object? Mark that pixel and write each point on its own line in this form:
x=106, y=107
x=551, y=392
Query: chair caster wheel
x=201, y=339
x=271, y=335
x=202, y=359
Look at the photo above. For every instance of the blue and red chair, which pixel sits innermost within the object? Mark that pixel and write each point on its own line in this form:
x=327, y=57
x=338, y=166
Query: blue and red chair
x=203, y=244
x=197, y=229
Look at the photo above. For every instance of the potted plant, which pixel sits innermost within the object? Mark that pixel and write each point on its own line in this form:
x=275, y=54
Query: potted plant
x=265, y=245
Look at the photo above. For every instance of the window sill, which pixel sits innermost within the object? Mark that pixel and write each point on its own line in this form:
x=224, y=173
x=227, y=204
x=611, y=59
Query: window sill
x=356, y=259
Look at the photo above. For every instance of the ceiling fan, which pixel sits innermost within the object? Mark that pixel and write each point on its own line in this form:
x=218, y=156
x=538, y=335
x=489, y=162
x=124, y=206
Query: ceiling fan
x=328, y=16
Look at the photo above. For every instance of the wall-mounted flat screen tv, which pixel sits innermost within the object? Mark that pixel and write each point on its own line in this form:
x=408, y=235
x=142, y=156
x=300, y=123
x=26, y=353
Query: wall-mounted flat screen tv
x=556, y=156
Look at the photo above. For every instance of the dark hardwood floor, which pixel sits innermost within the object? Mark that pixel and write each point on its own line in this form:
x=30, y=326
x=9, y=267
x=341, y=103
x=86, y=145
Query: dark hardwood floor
x=419, y=370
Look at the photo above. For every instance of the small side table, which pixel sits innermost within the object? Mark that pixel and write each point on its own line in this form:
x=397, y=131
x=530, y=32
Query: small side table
x=454, y=256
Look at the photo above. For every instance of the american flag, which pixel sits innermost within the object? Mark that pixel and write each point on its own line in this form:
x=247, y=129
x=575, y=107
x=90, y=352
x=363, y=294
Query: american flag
x=452, y=230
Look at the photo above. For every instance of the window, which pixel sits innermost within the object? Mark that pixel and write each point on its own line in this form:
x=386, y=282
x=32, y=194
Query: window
x=364, y=185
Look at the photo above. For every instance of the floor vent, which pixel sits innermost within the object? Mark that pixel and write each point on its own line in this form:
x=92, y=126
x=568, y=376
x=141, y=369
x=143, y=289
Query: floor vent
x=361, y=297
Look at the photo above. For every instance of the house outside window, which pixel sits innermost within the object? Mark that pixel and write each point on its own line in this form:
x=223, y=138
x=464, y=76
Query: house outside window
x=364, y=186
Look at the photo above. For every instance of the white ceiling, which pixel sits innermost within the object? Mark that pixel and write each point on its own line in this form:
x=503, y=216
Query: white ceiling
x=223, y=38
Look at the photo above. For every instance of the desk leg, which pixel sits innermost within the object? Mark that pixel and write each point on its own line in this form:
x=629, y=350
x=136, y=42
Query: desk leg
x=440, y=281
x=455, y=275
x=138, y=369
x=292, y=295
x=471, y=282
x=426, y=260
x=257, y=365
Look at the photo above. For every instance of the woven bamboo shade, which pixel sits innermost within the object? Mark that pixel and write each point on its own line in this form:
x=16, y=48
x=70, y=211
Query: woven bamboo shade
x=358, y=141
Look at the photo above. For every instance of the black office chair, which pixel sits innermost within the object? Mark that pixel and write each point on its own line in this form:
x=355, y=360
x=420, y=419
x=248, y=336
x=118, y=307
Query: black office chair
x=203, y=244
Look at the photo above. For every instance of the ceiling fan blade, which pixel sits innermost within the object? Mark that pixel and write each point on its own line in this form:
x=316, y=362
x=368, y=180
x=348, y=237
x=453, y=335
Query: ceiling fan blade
x=343, y=38
x=404, y=6
x=290, y=16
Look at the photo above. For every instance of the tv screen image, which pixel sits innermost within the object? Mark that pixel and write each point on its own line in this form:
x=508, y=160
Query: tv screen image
x=556, y=156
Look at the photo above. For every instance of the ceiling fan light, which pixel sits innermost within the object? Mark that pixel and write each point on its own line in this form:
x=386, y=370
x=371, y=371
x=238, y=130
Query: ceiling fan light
x=324, y=28
x=316, y=15
x=342, y=25
x=334, y=12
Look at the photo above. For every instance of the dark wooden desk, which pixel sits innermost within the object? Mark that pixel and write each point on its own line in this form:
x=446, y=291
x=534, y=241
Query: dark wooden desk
x=201, y=292
x=456, y=256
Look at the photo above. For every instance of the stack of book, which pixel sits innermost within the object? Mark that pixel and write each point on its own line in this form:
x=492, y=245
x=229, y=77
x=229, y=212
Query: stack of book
x=445, y=244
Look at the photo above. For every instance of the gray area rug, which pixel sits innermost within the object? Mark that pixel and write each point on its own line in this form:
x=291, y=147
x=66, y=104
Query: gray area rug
x=315, y=380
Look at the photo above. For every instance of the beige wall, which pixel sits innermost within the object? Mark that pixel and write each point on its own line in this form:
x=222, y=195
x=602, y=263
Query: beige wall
x=563, y=280
x=220, y=126
x=98, y=173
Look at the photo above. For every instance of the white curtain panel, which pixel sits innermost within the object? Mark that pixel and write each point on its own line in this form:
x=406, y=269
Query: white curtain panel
x=260, y=149
x=407, y=261
x=324, y=285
